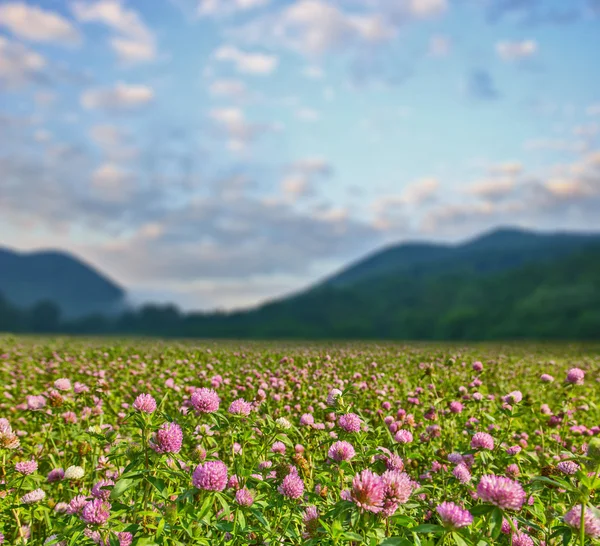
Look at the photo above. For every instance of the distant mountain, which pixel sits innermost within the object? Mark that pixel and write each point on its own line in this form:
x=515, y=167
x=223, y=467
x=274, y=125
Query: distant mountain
x=495, y=251
x=78, y=289
x=503, y=285
x=506, y=284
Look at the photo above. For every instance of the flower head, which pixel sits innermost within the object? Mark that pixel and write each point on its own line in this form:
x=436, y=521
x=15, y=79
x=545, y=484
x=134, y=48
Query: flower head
x=210, y=476
x=368, y=491
x=168, y=439
x=100, y=491
x=591, y=522
x=96, y=512
x=482, y=440
x=244, y=497
x=501, y=491
x=55, y=475
x=462, y=473
x=454, y=516
x=403, y=436
x=74, y=473
x=205, y=400
x=33, y=496
x=62, y=384
x=145, y=403
x=341, y=451
x=292, y=486
x=240, y=407
x=350, y=422
x=26, y=467
x=575, y=376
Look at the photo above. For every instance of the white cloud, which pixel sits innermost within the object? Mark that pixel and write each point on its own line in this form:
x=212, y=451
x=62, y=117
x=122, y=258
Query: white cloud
x=315, y=26
x=36, y=24
x=301, y=176
x=134, y=41
x=313, y=72
x=427, y=8
x=19, y=65
x=421, y=191
x=134, y=51
x=239, y=131
x=593, y=109
x=228, y=88
x=515, y=51
x=249, y=63
x=118, y=98
x=112, y=183
x=207, y=8
x=308, y=114
x=510, y=168
x=492, y=189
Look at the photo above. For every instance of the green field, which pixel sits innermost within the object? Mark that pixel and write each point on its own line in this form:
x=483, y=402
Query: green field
x=251, y=443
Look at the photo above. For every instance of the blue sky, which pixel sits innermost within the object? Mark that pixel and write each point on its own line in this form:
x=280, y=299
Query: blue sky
x=217, y=153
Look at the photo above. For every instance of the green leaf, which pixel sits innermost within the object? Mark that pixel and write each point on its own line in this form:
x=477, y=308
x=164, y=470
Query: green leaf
x=396, y=541
x=460, y=541
x=427, y=528
x=496, y=522
x=481, y=509
x=348, y=535
x=158, y=484
x=121, y=486
x=206, y=505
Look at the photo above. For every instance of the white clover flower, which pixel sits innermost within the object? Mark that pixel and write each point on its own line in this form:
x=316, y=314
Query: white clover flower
x=74, y=473
x=283, y=423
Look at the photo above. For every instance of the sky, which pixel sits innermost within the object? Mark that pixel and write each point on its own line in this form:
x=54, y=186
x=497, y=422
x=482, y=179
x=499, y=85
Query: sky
x=220, y=153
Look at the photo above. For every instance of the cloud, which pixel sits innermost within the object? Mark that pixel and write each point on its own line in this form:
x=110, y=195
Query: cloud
x=113, y=141
x=308, y=114
x=593, y=109
x=19, y=65
x=236, y=89
x=121, y=97
x=113, y=183
x=480, y=85
x=560, y=194
x=211, y=8
x=134, y=42
x=245, y=62
x=392, y=213
x=421, y=191
x=313, y=72
x=516, y=51
x=315, y=27
x=511, y=168
x=36, y=24
x=238, y=130
x=492, y=189
x=236, y=239
x=300, y=176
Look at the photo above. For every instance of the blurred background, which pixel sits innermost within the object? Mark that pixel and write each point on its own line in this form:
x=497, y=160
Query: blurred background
x=415, y=169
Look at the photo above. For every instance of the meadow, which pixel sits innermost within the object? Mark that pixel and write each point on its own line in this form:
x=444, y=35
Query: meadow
x=120, y=442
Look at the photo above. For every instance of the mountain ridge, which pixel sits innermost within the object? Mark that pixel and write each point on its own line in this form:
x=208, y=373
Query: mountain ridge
x=30, y=277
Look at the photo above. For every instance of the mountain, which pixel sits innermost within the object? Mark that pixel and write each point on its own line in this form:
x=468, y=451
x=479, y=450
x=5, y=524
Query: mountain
x=500, y=286
x=78, y=289
x=506, y=284
x=498, y=250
